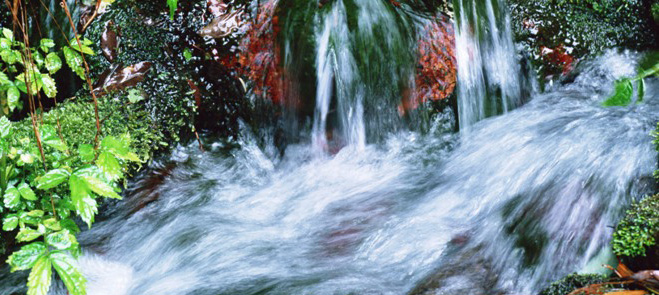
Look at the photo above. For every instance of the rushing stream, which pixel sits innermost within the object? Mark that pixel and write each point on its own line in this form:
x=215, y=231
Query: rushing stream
x=523, y=198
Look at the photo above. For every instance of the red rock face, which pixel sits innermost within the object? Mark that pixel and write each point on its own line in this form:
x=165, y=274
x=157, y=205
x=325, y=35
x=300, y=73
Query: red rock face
x=259, y=55
x=436, y=73
x=557, y=57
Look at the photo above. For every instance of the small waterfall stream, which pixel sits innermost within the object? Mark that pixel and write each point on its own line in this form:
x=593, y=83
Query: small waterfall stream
x=516, y=201
x=488, y=67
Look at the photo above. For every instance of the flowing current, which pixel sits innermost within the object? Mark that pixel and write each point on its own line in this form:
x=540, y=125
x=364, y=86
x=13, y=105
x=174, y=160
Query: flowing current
x=519, y=200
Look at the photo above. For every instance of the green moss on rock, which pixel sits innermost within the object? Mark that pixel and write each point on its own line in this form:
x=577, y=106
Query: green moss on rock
x=572, y=282
x=638, y=231
x=78, y=124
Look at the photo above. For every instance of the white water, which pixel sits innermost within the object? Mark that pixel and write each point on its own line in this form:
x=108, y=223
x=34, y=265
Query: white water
x=554, y=174
x=488, y=67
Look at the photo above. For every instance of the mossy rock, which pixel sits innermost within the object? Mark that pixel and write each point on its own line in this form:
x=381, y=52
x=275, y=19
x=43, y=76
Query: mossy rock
x=77, y=122
x=573, y=282
x=148, y=35
x=635, y=237
x=576, y=29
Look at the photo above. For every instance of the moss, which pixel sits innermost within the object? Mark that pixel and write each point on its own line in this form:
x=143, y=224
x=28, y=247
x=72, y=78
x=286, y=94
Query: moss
x=572, y=282
x=636, y=234
x=78, y=124
x=148, y=35
x=580, y=28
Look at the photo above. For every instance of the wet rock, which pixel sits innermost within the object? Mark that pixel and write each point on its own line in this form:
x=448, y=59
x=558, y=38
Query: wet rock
x=223, y=26
x=120, y=78
x=110, y=41
x=557, y=36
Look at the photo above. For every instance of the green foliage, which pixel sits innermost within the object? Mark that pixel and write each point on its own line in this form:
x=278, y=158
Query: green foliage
x=28, y=70
x=173, y=5
x=624, y=90
x=572, y=282
x=51, y=175
x=638, y=230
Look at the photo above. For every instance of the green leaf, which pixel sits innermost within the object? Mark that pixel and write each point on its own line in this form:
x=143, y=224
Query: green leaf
x=84, y=48
x=53, y=63
x=49, y=87
x=641, y=90
x=4, y=79
x=135, y=96
x=119, y=147
x=36, y=213
x=46, y=43
x=52, y=179
x=52, y=224
x=11, y=56
x=34, y=80
x=623, y=94
x=82, y=200
x=100, y=187
x=5, y=127
x=10, y=222
x=60, y=240
x=12, y=198
x=70, y=225
x=38, y=282
x=28, y=234
x=86, y=152
x=68, y=271
x=13, y=97
x=173, y=4
x=74, y=60
x=187, y=54
x=50, y=138
x=8, y=34
x=108, y=163
x=26, y=192
x=5, y=43
x=27, y=256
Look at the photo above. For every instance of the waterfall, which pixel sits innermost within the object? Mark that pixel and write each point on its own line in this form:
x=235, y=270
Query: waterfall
x=488, y=69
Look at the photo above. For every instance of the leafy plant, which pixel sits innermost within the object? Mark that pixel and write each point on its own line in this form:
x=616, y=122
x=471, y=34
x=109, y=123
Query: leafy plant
x=29, y=70
x=45, y=184
x=624, y=89
x=637, y=231
x=173, y=5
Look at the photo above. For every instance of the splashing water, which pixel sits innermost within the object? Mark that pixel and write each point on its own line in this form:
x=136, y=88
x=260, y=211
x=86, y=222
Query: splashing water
x=523, y=199
x=489, y=72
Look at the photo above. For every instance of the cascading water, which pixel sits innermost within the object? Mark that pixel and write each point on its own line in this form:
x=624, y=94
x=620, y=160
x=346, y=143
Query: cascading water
x=489, y=71
x=521, y=199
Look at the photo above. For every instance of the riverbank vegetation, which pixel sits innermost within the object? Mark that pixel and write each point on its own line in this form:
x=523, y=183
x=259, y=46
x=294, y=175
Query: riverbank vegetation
x=88, y=100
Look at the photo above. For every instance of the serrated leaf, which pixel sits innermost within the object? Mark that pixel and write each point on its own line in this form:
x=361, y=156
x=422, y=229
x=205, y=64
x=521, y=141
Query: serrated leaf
x=8, y=34
x=12, y=198
x=68, y=271
x=5, y=127
x=622, y=95
x=4, y=79
x=27, y=256
x=70, y=225
x=108, y=163
x=59, y=240
x=36, y=213
x=53, y=63
x=40, y=277
x=82, y=200
x=26, y=192
x=50, y=138
x=52, y=179
x=46, y=43
x=74, y=60
x=49, y=87
x=10, y=222
x=86, y=152
x=84, y=48
x=52, y=224
x=13, y=97
x=28, y=234
x=101, y=188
